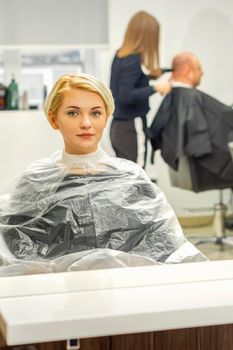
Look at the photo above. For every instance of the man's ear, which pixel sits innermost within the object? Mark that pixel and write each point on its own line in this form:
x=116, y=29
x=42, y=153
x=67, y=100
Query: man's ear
x=52, y=120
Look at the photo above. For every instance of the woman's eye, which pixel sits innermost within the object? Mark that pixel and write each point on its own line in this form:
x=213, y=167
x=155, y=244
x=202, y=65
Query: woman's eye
x=72, y=113
x=96, y=113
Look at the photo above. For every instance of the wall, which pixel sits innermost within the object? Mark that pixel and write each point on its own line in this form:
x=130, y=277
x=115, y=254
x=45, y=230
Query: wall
x=24, y=137
x=52, y=22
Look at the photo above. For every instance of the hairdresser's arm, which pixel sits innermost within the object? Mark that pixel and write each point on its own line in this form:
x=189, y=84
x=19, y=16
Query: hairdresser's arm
x=129, y=92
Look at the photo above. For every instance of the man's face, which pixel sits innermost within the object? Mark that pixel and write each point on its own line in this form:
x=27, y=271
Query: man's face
x=196, y=72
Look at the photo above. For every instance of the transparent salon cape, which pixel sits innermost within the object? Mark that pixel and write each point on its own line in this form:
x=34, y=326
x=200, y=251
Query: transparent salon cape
x=65, y=217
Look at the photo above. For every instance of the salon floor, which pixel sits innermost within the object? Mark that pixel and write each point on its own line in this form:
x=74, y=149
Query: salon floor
x=211, y=249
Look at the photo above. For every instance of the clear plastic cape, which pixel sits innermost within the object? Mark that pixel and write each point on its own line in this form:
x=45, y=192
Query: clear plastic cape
x=63, y=216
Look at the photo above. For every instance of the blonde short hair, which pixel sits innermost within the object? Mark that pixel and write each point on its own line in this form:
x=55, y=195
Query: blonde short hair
x=77, y=81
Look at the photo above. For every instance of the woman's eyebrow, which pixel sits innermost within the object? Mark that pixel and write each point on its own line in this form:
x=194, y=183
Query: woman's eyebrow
x=73, y=107
x=97, y=107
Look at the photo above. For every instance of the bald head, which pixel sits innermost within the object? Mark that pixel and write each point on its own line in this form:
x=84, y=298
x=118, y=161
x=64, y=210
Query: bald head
x=187, y=69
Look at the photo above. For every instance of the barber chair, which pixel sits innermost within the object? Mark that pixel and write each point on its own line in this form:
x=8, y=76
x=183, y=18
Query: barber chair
x=192, y=129
x=185, y=178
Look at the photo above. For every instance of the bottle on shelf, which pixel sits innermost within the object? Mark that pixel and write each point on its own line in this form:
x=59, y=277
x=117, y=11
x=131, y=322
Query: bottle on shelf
x=24, y=100
x=12, y=97
x=2, y=96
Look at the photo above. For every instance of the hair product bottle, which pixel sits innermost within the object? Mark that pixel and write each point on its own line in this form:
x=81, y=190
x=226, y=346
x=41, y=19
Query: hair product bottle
x=12, y=100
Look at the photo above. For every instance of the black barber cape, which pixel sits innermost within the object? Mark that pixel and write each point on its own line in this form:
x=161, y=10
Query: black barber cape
x=189, y=122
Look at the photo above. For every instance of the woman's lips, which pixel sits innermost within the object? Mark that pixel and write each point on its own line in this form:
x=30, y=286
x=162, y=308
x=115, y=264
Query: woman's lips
x=85, y=136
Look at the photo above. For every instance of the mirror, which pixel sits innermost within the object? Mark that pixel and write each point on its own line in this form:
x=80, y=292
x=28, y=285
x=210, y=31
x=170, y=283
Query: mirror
x=203, y=28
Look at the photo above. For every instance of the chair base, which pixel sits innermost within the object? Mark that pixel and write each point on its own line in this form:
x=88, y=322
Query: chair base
x=216, y=240
x=219, y=237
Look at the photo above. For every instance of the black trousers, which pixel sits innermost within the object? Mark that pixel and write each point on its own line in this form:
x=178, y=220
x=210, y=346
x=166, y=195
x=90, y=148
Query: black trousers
x=129, y=140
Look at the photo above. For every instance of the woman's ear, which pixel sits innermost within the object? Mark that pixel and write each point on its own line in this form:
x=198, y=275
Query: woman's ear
x=52, y=120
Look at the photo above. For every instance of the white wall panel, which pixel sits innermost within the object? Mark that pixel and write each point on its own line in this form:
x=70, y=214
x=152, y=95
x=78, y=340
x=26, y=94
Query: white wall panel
x=53, y=22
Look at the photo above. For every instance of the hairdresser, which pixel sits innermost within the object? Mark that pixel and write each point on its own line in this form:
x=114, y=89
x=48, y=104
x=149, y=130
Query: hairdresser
x=134, y=63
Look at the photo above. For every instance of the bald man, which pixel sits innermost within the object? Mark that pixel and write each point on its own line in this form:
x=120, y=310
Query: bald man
x=186, y=70
x=193, y=124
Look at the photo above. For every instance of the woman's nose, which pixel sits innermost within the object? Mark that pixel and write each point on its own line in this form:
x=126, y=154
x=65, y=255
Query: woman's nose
x=85, y=123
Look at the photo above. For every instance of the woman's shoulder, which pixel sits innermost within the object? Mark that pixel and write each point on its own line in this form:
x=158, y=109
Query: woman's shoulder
x=125, y=165
x=46, y=162
x=42, y=171
x=131, y=58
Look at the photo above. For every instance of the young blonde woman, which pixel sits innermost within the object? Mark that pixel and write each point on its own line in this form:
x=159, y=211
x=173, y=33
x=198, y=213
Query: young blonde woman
x=80, y=202
x=133, y=64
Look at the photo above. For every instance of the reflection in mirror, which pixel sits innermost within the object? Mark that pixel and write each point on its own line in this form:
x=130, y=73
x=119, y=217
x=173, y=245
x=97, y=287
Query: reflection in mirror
x=25, y=136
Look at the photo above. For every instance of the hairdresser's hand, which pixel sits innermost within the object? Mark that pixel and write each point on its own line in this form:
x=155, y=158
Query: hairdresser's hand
x=163, y=87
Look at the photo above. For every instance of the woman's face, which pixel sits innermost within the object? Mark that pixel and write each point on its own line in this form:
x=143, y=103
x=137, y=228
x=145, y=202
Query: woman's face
x=81, y=119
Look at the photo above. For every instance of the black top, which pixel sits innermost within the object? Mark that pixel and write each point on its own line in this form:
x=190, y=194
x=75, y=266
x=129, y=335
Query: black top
x=130, y=88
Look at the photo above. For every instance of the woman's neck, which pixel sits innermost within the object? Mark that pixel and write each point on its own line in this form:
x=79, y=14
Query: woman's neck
x=83, y=159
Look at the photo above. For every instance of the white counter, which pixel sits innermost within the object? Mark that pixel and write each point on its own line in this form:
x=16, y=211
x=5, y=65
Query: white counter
x=40, y=308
